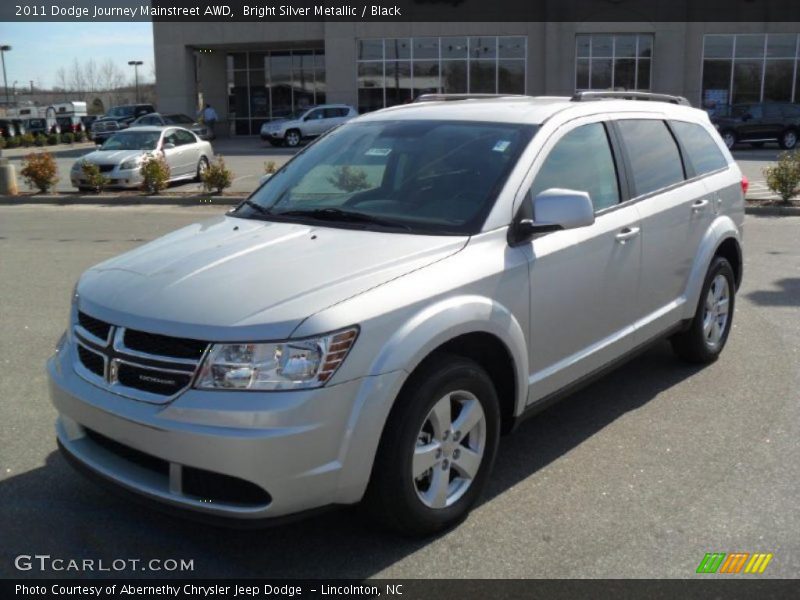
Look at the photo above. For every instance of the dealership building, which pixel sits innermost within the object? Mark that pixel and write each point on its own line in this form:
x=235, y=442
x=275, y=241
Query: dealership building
x=255, y=71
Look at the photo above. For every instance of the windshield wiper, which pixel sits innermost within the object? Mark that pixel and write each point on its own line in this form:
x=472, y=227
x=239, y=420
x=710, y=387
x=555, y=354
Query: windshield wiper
x=258, y=207
x=342, y=216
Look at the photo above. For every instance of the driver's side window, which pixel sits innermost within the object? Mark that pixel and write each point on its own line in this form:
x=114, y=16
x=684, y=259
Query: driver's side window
x=581, y=161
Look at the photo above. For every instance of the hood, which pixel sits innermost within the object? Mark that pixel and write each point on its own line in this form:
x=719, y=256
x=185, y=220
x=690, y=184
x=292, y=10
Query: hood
x=233, y=279
x=107, y=157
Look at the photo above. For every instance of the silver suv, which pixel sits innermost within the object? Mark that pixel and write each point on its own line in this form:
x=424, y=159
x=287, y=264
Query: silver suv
x=306, y=123
x=370, y=320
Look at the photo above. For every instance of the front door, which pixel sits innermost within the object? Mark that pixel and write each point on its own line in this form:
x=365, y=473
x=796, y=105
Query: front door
x=584, y=282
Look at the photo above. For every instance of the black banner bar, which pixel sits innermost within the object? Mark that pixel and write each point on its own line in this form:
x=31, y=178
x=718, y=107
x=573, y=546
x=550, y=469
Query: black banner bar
x=767, y=11
x=703, y=587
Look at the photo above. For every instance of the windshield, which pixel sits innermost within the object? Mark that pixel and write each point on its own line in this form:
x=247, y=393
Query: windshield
x=435, y=177
x=178, y=119
x=132, y=140
x=121, y=111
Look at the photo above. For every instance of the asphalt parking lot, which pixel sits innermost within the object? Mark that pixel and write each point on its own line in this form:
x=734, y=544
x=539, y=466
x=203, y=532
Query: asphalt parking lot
x=638, y=475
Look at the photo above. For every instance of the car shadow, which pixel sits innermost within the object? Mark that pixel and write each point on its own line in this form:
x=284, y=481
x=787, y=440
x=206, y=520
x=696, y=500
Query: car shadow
x=54, y=511
x=787, y=294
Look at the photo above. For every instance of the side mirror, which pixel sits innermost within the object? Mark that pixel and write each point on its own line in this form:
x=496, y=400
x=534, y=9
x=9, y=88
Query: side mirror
x=556, y=209
x=168, y=145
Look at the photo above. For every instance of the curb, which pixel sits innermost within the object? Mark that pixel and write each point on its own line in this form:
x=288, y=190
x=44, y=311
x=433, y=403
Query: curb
x=106, y=200
x=773, y=211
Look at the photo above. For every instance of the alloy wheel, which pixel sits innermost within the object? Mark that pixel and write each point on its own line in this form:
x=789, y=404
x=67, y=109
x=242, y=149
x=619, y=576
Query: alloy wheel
x=449, y=449
x=715, y=315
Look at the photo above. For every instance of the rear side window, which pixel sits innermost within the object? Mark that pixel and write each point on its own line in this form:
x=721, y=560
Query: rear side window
x=652, y=153
x=702, y=152
x=582, y=161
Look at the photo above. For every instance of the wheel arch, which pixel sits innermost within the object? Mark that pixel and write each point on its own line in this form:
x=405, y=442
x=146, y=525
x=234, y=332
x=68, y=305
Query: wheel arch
x=722, y=239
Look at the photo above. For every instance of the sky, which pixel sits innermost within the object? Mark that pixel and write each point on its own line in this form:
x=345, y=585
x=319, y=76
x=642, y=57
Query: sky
x=39, y=49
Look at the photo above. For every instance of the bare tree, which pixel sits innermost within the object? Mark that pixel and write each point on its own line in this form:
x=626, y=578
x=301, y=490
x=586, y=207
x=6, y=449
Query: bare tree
x=91, y=75
x=61, y=79
x=77, y=81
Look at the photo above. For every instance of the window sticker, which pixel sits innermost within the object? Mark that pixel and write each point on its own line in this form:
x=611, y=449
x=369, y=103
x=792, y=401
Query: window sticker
x=501, y=146
x=378, y=152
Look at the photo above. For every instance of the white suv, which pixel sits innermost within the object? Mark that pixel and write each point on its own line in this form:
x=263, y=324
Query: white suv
x=370, y=320
x=306, y=123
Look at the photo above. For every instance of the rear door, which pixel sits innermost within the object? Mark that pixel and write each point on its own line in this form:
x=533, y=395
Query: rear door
x=314, y=122
x=675, y=211
x=584, y=282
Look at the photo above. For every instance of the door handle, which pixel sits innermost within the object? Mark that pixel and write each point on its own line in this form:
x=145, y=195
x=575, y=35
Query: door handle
x=627, y=234
x=699, y=205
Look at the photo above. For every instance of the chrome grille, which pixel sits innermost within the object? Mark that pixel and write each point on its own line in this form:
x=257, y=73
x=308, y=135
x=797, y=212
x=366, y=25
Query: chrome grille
x=137, y=364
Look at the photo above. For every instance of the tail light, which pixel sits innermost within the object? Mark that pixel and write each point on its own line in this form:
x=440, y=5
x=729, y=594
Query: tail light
x=745, y=184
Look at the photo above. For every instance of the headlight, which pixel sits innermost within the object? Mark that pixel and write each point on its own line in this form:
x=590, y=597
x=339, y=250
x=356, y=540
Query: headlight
x=133, y=163
x=290, y=365
x=77, y=166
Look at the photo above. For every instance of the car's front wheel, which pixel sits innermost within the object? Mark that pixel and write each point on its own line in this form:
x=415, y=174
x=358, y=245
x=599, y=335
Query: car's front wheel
x=202, y=167
x=292, y=138
x=729, y=138
x=437, y=448
x=704, y=339
x=789, y=139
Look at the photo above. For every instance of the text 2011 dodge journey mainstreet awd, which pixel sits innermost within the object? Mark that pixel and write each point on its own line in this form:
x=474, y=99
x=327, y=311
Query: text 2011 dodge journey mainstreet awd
x=368, y=322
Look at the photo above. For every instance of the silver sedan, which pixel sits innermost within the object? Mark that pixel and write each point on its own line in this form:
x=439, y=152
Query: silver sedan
x=120, y=157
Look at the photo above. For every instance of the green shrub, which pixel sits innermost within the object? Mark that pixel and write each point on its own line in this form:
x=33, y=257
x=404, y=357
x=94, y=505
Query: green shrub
x=783, y=177
x=2, y=142
x=27, y=140
x=68, y=137
x=40, y=140
x=349, y=179
x=217, y=176
x=40, y=171
x=80, y=136
x=155, y=174
x=94, y=178
x=14, y=142
x=53, y=139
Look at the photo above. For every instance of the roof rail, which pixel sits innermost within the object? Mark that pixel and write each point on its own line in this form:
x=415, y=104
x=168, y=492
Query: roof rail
x=453, y=97
x=614, y=95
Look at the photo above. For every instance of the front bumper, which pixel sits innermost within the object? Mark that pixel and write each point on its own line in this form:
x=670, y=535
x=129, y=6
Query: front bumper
x=303, y=449
x=273, y=136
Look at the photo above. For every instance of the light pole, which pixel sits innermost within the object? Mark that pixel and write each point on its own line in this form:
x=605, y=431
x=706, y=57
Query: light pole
x=3, y=49
x=135, y=64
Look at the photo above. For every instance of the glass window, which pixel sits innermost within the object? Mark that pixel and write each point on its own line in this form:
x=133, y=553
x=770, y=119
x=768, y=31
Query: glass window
x=749, y=46
x=416, y=66
x=586, y=146
x=184, y=137
x=747, y=80
x=653, y=154
x=370, y=49
x=397, y=48
x=426, y=48
x=781, y=45
x=511, y=47
x=606, y=61
x=701, y=151
x=718, y=46
x=778, y=81
x=435, y=177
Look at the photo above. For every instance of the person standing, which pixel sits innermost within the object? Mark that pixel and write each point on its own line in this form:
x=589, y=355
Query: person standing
x=209, y=116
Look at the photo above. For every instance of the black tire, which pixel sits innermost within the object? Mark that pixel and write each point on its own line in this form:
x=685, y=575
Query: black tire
x=691, y=344
x=202, y=165
x=788, y=139
x=392, y=497
x=729, y=137
x=292, y=138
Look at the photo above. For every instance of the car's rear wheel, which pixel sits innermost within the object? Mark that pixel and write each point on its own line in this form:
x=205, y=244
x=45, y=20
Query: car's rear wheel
x=202, y=167
x=292, y=138
x=705, y=337
x=729, y=138
x=437, y=448
x=789, y=139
